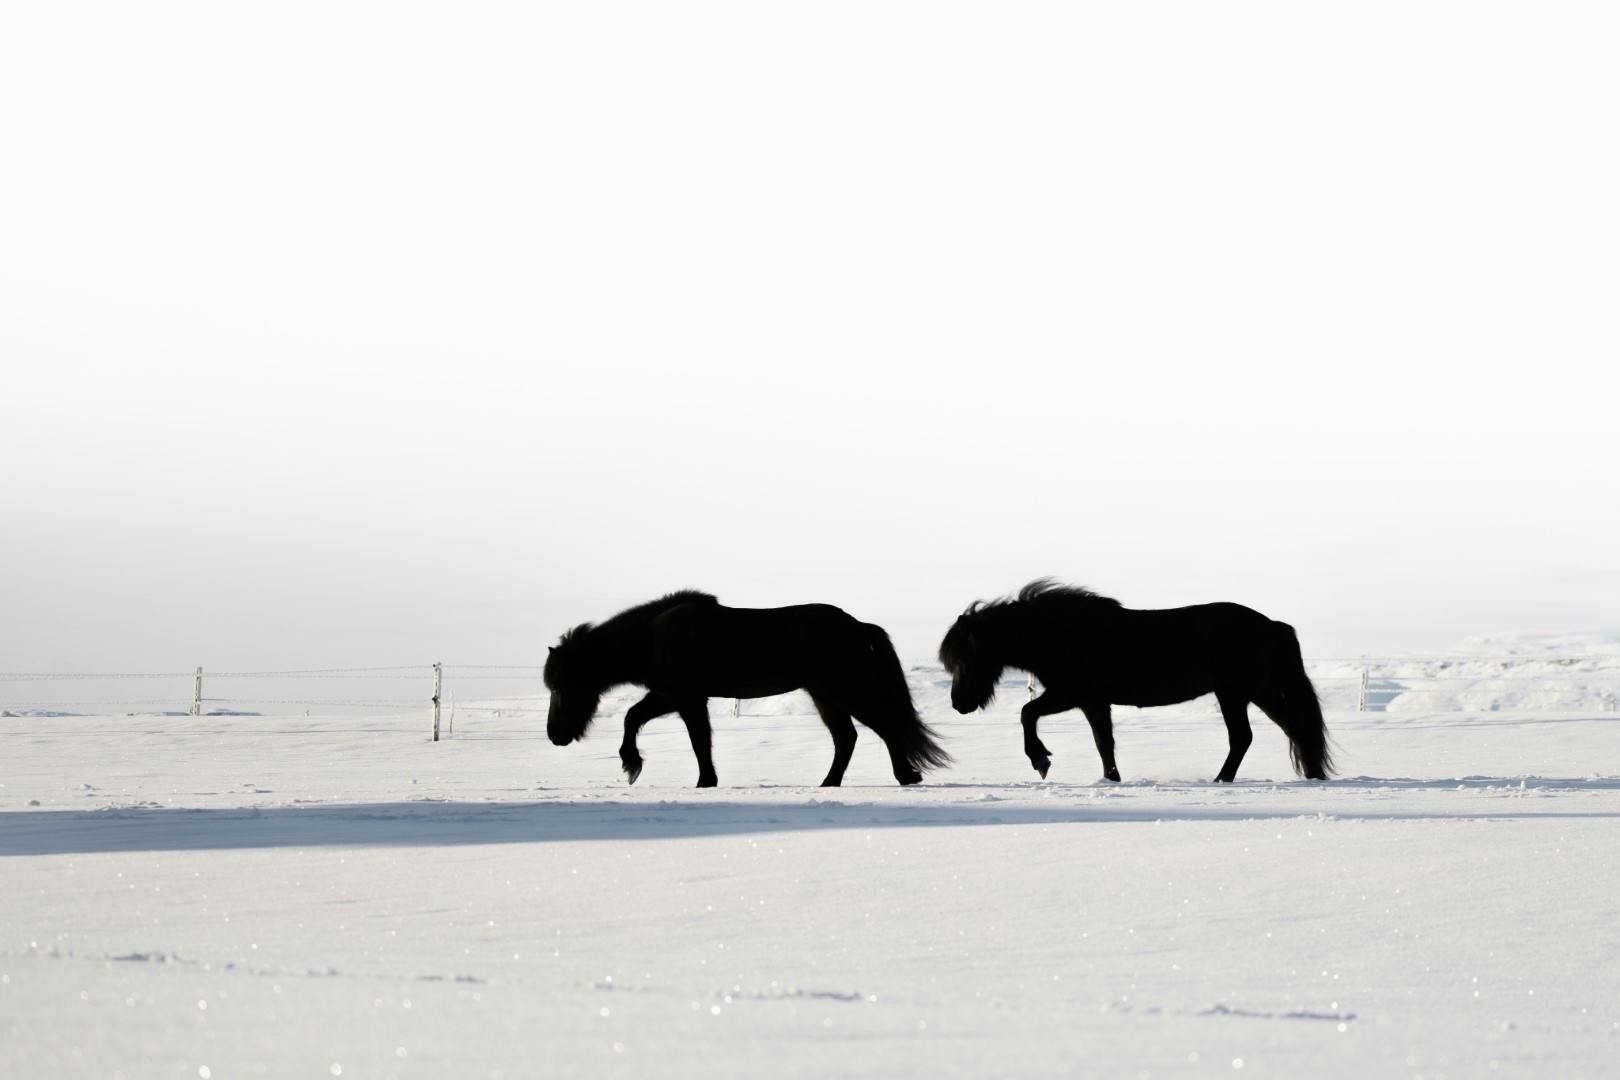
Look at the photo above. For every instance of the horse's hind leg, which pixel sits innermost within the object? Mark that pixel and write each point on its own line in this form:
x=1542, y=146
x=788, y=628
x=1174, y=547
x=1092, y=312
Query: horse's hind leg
x=696, y=715
x=1101, y=719
x=843, y=735
x=636, y=717
x=1235, y=711
x=904, y=771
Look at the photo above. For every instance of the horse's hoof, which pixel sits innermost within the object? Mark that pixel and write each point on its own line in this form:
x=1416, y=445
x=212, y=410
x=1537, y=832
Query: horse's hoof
x=1041, y=765
x=910, y=778
x=708, y=781
x=1112, y=774
x=632, y=773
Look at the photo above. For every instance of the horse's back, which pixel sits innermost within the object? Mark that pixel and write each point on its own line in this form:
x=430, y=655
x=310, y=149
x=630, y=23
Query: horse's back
x=779, y=626
x=1222, y=631
x=1159, y=656
x=1199, y=620
x=754, y=652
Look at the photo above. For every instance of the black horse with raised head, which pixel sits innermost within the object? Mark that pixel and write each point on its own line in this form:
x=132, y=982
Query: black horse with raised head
x=1090, y=653
x=686, y=648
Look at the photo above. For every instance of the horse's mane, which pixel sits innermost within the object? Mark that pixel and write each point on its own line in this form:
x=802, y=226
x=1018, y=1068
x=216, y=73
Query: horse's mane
x=1045, y=590
x=640, y=613
x=1046, y=593
x=1042, y=597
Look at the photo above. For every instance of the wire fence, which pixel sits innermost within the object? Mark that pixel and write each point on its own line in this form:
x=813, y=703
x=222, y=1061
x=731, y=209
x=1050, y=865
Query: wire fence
x=1368, y=684
x=237, y=692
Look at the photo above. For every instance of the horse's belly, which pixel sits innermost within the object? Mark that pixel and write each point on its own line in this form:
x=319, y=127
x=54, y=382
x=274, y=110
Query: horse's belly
x=1161, y=693
x=746, y=690
x=1148, y=701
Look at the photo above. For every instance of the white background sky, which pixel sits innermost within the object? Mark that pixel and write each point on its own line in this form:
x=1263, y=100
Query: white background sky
x=345, y=333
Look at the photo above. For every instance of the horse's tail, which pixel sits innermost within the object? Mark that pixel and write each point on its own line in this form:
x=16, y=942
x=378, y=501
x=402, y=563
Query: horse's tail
x=916, y=742
x=1293, y=704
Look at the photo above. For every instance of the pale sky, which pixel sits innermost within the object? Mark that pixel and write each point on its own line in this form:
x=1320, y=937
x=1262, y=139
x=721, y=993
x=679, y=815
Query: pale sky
x=348, y=333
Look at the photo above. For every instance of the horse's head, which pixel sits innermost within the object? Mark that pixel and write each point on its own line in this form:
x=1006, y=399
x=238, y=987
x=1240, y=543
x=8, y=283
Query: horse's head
x=575, y=692
x=974, y=668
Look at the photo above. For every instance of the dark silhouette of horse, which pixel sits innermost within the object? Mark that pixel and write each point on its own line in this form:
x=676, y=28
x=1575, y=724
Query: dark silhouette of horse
x=686, y=648
x=1089, y=652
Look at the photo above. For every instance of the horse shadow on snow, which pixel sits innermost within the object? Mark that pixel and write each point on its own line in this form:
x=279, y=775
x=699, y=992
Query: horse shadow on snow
x=429, y=823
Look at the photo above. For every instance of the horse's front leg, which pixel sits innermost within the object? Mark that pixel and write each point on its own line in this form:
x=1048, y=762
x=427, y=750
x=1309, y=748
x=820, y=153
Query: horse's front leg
x=648, y=708
x=1044, y=705
x=696, y=715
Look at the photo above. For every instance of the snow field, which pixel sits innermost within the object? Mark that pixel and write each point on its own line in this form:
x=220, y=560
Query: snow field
x=327, y=896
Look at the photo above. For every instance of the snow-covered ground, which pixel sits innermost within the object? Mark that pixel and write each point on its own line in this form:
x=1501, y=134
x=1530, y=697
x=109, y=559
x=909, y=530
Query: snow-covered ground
x=1544, y=672
x=331, y=896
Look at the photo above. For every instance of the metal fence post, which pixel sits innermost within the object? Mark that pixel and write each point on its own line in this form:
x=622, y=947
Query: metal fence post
x=1361, y=701
x=196, y=694
x=438, y=684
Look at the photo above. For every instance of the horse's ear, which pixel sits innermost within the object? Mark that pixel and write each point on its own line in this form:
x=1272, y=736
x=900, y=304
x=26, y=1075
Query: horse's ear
x=551, y=648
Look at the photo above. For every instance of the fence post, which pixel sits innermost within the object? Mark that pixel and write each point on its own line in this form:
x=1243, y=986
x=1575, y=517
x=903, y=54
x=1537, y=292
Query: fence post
x=736, y=706
x=196, y=694
x=438, y=684
x=1361, y=701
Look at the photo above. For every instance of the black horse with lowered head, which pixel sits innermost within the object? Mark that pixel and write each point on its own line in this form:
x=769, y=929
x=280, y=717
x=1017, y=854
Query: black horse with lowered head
x=686, y=648
x=1089, y=653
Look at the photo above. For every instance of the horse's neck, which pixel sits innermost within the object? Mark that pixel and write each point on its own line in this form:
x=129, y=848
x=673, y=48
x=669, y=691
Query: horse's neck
x=620, y=657
x=1028, y=640
x=1013, y=641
